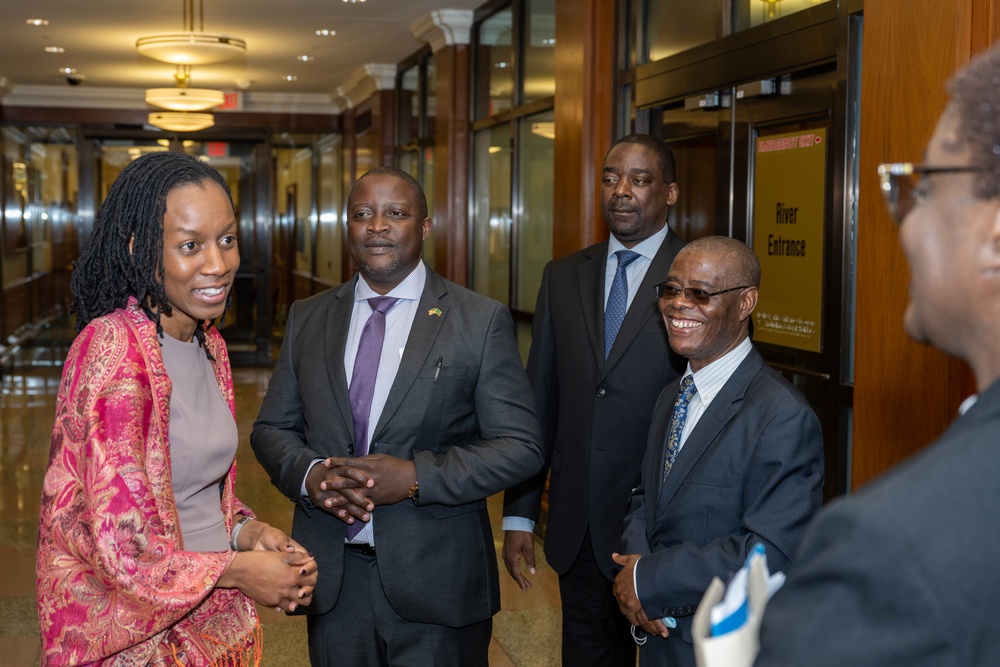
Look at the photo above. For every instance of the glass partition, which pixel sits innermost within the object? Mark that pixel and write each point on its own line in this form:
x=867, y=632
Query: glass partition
x=673, y=26
x=330, y=232
x=494, y=86
x=750, y=13
x=669, y=27
x=539, y=51
x=534, y=215
x=492, y=214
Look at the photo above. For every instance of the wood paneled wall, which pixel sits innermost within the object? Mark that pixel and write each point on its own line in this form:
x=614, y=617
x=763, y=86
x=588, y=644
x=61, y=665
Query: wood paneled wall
x=451, y=163
x=584, y=118
x=905, y=394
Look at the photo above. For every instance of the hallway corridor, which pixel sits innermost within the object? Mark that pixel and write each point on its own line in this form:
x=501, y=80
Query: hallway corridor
x=525, y=632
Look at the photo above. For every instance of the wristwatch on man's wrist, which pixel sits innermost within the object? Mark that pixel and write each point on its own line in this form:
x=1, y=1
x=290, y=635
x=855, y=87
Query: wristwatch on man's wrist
x=414, y=490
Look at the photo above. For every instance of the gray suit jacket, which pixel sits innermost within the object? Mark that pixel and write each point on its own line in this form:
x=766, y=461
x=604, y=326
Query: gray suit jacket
x=750, y=471
x=471, y=433
x=905, y=572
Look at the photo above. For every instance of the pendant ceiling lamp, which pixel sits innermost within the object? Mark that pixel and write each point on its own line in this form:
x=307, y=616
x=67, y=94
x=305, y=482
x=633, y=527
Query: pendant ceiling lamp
x=183, y=97
x=181, y=121
x=191, y=47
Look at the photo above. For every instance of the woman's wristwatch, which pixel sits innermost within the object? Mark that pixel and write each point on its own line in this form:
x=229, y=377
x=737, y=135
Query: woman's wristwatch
x=236, y=531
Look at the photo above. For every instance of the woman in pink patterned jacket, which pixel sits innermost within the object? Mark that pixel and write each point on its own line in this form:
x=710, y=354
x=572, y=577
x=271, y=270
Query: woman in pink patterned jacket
x=145, y=555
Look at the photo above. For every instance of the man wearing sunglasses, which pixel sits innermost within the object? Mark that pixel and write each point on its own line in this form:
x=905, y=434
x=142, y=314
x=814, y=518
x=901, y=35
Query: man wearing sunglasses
x=905, y=572
x=734, y=456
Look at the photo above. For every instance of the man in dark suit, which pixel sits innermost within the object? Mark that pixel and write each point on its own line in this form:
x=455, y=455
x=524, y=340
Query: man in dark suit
x=390, y=448
x=734, y=458
x=905, y=571
x=594, y=391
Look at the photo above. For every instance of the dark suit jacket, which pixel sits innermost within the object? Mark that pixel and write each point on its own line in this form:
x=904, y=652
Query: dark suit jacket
x=595, y=414
x=750, y=471
x=905, y=572
x=470, y=433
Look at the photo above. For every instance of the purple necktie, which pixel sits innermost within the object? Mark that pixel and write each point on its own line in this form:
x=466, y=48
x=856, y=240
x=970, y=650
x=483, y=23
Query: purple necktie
x=363, y=379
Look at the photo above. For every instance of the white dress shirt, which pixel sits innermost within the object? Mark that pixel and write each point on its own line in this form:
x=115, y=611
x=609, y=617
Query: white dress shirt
x=398, y=322
x=708, y=381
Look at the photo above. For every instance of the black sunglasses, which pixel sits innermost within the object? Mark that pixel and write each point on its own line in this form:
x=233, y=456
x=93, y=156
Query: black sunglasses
x=902, y=187
x=693, y=294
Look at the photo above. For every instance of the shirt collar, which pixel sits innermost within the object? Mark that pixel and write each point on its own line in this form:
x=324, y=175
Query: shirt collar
x=411, y=287
x=647, y=247
x=712, y=378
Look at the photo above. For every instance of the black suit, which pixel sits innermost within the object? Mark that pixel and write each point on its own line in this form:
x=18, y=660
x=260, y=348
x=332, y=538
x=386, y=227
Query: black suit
x=905, y=571
x=750, y=471
x=595, y=414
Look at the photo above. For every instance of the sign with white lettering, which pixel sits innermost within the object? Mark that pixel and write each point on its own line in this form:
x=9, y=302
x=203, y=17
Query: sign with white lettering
x=788, y=221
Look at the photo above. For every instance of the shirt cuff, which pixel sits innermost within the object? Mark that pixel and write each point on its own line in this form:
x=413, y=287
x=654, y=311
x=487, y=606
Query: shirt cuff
x=635, y=580
x=518, y=523
x=304, y=493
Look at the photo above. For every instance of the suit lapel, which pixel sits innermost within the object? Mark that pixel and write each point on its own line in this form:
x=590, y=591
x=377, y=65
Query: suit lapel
x=722, y=410
x=644, y=305
x=338, y=324
x=590, y=275
x=423, y=332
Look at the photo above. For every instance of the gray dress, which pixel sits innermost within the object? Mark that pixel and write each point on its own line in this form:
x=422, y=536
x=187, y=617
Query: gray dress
x=203, y=439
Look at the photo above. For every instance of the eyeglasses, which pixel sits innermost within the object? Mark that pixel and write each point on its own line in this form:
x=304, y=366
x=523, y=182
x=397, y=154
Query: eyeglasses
x=692, y=294
x=902, y=184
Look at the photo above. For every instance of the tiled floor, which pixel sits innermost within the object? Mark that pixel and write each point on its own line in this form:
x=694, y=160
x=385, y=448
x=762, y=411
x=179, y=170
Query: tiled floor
x=525, y=632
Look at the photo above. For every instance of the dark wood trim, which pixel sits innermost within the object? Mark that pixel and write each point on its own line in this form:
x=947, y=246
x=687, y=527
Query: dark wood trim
x=905, y=394
x=136, y=118
x=584, y=115
x=452, y=162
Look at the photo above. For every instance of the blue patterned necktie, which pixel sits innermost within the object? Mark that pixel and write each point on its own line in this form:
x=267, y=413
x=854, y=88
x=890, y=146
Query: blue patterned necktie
x=684, y=396
x=362, y=387
x=614, y=312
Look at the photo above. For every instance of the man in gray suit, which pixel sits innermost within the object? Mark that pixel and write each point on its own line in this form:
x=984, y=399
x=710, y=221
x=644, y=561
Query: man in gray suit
x=390, y=448
x=734, y=457
x=905, y=572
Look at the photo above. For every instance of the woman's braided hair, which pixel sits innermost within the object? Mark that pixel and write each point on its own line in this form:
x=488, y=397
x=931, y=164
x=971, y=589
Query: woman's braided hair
x=110, y=271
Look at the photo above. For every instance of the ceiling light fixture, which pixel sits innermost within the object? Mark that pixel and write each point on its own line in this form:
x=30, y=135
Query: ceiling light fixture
x=181, y=121
x=184, y=98
x=191, y=47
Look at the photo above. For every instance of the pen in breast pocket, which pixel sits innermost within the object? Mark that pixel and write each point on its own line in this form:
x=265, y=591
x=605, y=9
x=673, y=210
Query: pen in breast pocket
x=437, y=370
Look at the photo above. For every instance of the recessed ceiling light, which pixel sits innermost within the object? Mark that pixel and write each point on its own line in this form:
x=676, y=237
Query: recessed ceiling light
x=67, y=70
x=54, y=49
x=354, y=1
x=326, y=33
x=305, y=59
x=291, y=77
x=36, y=21
x=500, y=65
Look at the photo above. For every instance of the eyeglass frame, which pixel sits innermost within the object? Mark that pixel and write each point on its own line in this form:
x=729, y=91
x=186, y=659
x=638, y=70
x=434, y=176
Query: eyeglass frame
x=889, y=174
x=692, y=294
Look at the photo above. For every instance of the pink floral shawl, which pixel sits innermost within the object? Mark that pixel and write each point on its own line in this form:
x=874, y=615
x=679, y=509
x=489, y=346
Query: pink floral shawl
x=115, y=587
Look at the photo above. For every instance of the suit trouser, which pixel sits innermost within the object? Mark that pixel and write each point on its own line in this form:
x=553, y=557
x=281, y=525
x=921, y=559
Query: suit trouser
x=595, y=633
x=363, y=630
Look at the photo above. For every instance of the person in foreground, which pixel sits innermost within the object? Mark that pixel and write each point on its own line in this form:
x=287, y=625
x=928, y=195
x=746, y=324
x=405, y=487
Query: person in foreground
x=599, y=358
x=734, y=456
x=904, y=572
x=145, y=555
x=397, y=406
